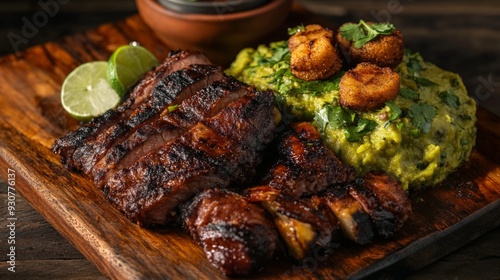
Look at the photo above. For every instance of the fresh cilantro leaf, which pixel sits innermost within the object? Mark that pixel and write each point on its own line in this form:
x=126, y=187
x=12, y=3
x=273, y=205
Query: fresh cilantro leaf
x=395, y=111
x=423, y=81
x=363, y=127
x=421, y=115
x=363, y=33
x=408, y=93
x=413, y=63
x=336, y=117
x=296, y=29
x=400, y=125
x=449, y=98
x=279, y=54
x=321, y=117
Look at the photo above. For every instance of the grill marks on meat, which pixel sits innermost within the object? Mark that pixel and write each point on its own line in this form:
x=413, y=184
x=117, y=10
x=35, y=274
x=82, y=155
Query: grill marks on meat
x=305, y=166
x=237, y=244
x=187, y=137
x=156, y=131
x=66, y=145
x=149, y=156
x=206, y=156
x=309, y=178
x=171, y=90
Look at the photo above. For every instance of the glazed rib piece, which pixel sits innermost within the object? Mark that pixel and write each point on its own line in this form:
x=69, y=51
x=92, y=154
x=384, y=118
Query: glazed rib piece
x=306, y=169
x=238, y=243
x=305, y=166
x=300, y=226
x=170, y=124
x=66, y=145
x=354, y=221
x=205, y=157
x=384, y=200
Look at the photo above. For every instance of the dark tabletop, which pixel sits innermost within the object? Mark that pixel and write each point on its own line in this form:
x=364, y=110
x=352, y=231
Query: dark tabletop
x=461, y=36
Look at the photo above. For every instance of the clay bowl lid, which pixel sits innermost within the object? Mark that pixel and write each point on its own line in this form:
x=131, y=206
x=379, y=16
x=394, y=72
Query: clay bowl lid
x=211, y=7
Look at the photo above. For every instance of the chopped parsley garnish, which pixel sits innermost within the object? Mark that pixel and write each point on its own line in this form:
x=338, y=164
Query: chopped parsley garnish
x=408, y=93
x=449, y=98
x=421, y=115
x=395, y=111
x=413, y=61
x=415, y=65
x=363, y=33
x=355, y=127
x=296, y=29
x=423, y=81
x=172, y=108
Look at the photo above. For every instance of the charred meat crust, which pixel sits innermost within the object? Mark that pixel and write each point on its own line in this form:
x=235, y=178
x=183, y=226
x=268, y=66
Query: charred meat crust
x=236, y=244
x=206, y=156
x=305, y=166
x=66, y=145
x=147, y=136
x=170, y=90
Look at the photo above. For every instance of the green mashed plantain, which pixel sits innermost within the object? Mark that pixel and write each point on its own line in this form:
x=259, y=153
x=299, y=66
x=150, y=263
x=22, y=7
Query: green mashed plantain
x=420, y=137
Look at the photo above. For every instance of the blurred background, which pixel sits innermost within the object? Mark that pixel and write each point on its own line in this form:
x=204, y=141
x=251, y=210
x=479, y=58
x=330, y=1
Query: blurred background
x=451, y=33
x=458, y=35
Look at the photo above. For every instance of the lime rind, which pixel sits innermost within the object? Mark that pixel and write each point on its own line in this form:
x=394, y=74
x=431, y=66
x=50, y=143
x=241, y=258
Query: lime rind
x=127, y=65
x=86, y=92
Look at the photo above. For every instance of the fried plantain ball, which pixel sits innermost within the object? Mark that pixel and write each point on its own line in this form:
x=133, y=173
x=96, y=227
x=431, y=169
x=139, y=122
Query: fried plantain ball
x=310, y=32
x=367, y=87
x=384, y=51
x=313, y=54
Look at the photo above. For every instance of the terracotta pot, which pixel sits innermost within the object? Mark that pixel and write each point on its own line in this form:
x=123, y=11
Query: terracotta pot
x=221, y=35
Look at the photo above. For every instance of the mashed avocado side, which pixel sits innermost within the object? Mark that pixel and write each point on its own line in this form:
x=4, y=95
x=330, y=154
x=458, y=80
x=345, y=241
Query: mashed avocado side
x=420, y=137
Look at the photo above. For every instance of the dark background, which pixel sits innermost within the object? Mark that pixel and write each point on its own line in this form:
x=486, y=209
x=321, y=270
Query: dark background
x=461, y=36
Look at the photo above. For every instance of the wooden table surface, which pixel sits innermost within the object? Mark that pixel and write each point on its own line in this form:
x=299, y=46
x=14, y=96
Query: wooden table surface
x=462, y=36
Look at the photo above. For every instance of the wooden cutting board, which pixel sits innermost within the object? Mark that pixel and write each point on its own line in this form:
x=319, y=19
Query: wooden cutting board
x=31, y=117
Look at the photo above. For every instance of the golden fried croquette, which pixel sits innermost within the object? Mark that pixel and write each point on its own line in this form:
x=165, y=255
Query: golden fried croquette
x=313, y=54
x=367, y=87
x=383, y=51
x=310, y=32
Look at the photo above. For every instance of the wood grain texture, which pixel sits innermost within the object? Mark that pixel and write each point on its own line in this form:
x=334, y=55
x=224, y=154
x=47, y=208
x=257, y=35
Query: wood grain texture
x=32, y=118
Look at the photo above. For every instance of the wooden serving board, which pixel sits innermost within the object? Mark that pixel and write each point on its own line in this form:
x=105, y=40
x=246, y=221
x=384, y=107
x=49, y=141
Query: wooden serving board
x=31, y=117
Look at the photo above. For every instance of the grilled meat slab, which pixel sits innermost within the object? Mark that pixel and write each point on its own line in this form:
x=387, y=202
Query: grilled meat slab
x=206, y=156
x=168, y=126
x=176, y=87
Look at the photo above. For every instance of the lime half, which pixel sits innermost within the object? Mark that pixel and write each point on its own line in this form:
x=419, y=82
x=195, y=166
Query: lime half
x=127, y=65
x=86, y=92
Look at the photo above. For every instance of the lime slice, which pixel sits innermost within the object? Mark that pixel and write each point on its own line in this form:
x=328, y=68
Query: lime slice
x=86, y=92
x=127, y=65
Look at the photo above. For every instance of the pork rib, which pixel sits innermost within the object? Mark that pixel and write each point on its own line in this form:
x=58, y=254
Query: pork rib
x=206, y=98
x=238, y=243
x=206, y=156
x=305, y=166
